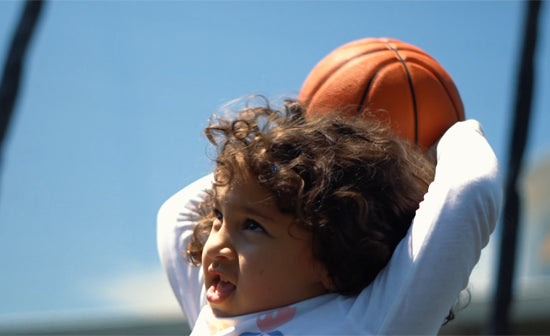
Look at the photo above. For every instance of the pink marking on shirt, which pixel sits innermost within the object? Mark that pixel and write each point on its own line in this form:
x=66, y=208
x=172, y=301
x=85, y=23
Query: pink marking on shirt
x=273, y=320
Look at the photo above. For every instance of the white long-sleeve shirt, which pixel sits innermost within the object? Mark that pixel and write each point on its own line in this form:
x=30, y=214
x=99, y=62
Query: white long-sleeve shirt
x=411, y=295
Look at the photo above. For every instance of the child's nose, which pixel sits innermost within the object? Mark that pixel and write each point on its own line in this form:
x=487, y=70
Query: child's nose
x=219, y=244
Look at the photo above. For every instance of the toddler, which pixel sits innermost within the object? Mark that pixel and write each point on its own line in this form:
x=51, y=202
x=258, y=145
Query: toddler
x=324, y=226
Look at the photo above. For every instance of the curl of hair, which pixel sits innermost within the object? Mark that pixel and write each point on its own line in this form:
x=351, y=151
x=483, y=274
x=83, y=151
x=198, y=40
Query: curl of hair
x=350, y=183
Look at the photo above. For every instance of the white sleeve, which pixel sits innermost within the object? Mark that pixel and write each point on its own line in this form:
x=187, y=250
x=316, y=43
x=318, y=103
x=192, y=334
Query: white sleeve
x=175, y=222
x=432, y=264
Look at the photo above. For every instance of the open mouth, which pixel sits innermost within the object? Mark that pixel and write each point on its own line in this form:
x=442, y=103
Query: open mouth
x=219, y=290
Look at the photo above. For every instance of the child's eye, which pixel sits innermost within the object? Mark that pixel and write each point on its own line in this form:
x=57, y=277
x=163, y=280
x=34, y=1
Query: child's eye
x=218, y=218
x=252, y=225
x=218, y=215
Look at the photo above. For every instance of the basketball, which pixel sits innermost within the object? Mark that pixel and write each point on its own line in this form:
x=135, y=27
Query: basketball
x=390, y=80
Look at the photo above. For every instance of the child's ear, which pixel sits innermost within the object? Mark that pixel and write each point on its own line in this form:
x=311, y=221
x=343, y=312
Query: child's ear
x=326, y=280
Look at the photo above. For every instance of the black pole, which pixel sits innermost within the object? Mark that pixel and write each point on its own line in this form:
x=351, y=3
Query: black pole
x=13, y=67
x=500, y=319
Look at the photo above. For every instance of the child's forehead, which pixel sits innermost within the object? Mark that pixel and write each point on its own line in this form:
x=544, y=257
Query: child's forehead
x=246, y=191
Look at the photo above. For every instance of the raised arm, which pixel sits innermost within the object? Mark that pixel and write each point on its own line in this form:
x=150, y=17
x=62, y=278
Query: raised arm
x=175, y=222
x=433, y=263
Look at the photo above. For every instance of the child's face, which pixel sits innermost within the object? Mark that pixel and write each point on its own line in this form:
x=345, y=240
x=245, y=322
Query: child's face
x=254, y=258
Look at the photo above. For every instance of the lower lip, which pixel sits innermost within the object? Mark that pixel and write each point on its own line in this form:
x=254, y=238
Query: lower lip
x=219, y=291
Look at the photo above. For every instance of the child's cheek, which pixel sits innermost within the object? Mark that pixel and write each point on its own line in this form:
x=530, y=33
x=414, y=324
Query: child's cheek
x=255, y=268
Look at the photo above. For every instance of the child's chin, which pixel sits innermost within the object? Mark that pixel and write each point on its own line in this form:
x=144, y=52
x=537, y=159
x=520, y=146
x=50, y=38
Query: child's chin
x=227, y=310
x=221, y=313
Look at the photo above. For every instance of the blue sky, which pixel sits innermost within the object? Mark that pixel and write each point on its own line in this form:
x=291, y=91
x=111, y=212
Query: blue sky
x=115, y=96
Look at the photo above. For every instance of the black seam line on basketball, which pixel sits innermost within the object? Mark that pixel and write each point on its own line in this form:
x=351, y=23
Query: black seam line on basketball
x=319, y=85
x=412, y=91
x=442, y=82
x=367, y=88
x=436, y=75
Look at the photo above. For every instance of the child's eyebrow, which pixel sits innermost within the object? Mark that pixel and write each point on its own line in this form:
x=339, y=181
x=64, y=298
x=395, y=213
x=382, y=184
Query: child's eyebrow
x=216, y=203
x=256, y=213
x=251, y=208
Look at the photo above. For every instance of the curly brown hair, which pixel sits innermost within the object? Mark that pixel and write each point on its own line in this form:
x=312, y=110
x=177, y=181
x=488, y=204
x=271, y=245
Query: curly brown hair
x=350, y=183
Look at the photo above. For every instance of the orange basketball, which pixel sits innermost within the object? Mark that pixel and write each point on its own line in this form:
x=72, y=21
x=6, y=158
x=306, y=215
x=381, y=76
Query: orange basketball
x=389, y=79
